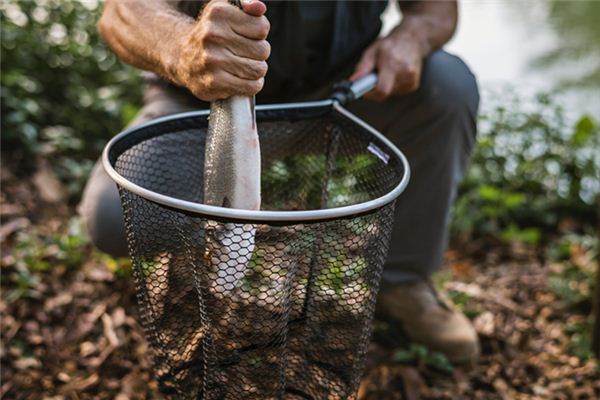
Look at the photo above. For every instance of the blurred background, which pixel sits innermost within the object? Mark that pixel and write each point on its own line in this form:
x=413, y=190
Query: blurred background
x=522, y=262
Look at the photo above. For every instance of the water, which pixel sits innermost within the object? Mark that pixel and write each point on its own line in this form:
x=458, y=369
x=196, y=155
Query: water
x=531, y=46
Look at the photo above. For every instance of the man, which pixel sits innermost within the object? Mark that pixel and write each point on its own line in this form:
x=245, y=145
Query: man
x=425, y=101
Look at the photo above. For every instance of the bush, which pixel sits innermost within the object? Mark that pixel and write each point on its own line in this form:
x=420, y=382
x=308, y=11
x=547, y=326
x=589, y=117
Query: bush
x=64, y=93
x=532, y=170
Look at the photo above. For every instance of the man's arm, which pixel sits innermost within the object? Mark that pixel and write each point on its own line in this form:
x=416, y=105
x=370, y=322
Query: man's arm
x=432, y=23
x=221, y=54
x=426, y=26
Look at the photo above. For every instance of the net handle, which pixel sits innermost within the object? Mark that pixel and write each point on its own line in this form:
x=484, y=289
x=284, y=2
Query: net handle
x=347, y=91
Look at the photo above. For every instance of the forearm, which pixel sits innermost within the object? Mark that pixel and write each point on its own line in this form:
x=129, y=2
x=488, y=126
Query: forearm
x=145, y=33
x=430, y=23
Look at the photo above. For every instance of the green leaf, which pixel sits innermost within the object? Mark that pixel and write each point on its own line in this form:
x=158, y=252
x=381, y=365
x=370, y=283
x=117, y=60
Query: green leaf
x=403, y=356
x=489, y=193
x=583, y=131
x=439, y=361
x=513, y=200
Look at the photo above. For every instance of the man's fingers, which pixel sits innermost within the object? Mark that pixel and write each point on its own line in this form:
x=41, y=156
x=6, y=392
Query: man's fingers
x=366, y=63
x=254, y=49
x=254, y=7
x=244, y=24
x=245, y=68
x=233, y=85
x=385, y=85
x=223, y=85
x=251, y=27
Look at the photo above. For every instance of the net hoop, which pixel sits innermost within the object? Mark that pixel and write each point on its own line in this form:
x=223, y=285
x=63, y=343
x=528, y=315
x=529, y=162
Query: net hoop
x=261, y=215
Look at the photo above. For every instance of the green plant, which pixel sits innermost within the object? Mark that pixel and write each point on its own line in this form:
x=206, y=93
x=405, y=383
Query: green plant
x=63, y=92
x=296, y=181
x=572, y=275
x=423, y=356
x=532, y=169
x=580, y=333
x=36, y=253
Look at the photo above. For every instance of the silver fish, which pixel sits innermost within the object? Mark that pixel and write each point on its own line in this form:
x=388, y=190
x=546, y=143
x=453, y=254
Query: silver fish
x=231, y=179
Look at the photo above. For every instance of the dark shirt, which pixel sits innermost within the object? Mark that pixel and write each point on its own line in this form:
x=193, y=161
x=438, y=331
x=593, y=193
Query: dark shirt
x=313, y=43
x=317, y=23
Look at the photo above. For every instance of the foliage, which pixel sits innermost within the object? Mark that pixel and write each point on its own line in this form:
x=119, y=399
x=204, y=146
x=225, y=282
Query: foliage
x=581, y=338
x=422, y=355
x=531, y=171
x=36, y=253
x=572, y=274
x=64, y=93
x=295, y=181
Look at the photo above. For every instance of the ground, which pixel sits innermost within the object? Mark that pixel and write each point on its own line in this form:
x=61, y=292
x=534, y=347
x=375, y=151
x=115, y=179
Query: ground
x=70, y=326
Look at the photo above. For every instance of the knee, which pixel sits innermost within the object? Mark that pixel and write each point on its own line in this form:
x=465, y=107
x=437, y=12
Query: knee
x=449, y=85
x=102, y=214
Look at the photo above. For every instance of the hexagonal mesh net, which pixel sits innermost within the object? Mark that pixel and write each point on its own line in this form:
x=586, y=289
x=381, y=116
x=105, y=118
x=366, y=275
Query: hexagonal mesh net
x=238, y=309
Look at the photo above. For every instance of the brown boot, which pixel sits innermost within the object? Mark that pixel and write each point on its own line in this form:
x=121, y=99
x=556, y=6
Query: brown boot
x=430, y=321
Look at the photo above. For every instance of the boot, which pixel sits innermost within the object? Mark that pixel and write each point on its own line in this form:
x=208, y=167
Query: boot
x=429, y=320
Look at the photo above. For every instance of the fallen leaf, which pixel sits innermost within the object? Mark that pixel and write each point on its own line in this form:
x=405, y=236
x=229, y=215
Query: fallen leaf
x=484, y=324
x=49, y=187
x=26, y=363
x=12, y=226
x=58, y=301
x=109, y=330
x=78, y=385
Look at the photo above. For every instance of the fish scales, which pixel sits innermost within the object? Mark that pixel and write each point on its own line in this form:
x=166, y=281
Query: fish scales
x=232, y=155
x=231, y=179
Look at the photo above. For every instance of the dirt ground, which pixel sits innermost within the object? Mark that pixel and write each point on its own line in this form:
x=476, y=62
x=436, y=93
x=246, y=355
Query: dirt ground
x=70, y=330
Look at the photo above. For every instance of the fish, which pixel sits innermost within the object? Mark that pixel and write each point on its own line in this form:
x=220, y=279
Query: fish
x=232, y=170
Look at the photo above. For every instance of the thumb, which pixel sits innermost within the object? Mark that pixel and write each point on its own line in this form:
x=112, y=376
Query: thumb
x=254, y=7
x=366, y=63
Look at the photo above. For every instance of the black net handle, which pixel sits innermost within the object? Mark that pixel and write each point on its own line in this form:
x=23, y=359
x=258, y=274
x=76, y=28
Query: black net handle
x=347, y=91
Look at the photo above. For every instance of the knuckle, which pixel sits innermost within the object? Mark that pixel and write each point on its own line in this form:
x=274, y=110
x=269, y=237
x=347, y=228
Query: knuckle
x=256, y=86
x=210, y=59
x=263, y=68
x=207, y=59
x=264, y=50
x=215, y=10
x=264, y=27
x=257, y=70
x=211, y=34
x=412, y=71
x=396, y=60
x=209, y=82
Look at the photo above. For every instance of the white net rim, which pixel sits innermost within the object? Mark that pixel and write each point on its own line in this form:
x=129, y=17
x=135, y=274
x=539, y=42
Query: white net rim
x=262, y=215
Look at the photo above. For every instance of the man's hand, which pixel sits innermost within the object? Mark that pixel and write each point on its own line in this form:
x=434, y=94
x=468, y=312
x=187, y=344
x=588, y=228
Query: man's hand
x=398, y=58
x=398, y=63
x=221, y=54
x=225, y=52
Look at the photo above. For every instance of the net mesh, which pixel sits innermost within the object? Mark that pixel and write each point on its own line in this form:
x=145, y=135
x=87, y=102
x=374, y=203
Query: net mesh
x=249, y=310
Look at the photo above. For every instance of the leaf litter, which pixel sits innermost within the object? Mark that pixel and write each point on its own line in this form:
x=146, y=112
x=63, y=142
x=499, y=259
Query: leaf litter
x=70, y=327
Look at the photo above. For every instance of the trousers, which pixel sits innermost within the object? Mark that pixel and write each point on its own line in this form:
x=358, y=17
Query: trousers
x=434, y=126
